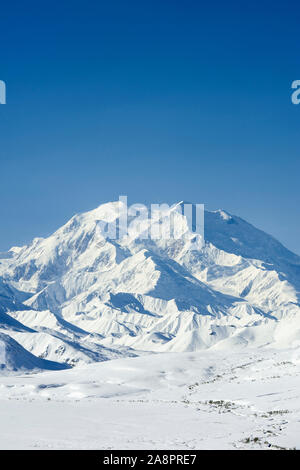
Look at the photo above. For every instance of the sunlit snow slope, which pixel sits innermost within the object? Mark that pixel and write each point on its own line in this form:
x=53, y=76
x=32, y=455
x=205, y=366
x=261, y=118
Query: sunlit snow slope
x=80, y=297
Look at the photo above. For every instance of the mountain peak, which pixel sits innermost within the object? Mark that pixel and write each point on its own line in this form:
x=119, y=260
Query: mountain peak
x=124, y=293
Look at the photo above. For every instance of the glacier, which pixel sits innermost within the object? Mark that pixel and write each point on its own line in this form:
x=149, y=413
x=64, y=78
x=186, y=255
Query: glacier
x=79, y=297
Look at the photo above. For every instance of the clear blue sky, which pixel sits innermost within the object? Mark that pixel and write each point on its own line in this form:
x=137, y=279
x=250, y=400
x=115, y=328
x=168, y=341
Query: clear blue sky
x=160, y=100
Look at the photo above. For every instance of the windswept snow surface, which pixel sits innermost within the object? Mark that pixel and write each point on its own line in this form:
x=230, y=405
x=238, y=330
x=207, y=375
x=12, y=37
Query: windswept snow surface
x=145, y=319
x=201, y=400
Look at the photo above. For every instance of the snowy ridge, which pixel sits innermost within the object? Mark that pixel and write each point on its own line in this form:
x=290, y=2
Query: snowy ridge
x=14, y=358
x=79, y=297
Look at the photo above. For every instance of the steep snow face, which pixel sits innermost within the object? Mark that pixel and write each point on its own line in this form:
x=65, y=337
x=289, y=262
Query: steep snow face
x=234, y=235
x=93, y=297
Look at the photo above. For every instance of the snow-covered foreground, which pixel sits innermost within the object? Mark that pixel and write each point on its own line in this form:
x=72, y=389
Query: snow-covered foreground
x=196, y=400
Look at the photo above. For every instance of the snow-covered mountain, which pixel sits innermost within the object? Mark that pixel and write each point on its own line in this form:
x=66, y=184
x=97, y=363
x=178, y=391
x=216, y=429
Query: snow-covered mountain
x=14, y=358
x=79, y=297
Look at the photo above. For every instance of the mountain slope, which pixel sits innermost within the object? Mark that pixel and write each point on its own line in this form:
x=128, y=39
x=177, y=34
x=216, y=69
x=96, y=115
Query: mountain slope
x=81, y=291
x=14, y=358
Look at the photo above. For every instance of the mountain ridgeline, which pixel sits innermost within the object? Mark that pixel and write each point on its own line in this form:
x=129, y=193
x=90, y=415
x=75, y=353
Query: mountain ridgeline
x=80, y=297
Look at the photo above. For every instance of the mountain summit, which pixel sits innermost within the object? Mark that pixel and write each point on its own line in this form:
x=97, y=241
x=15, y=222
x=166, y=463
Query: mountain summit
x=80, y=296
